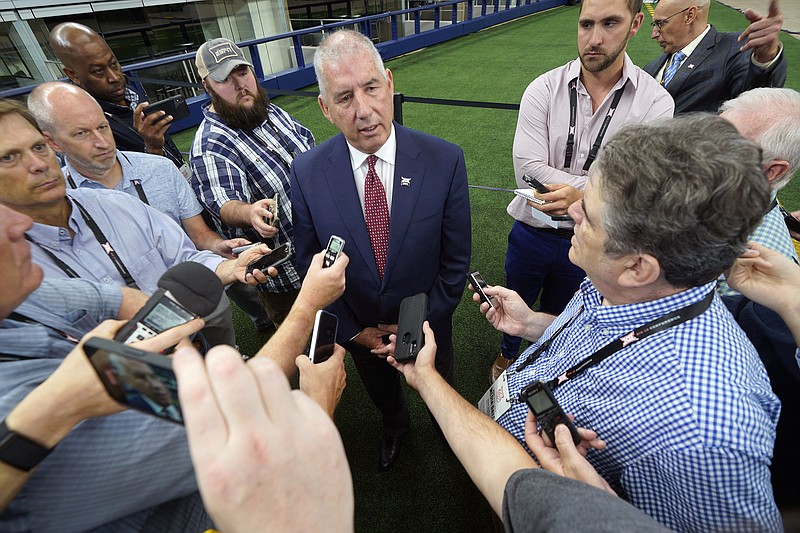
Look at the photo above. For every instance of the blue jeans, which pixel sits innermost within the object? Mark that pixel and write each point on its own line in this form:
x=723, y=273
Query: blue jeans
x=539, y=261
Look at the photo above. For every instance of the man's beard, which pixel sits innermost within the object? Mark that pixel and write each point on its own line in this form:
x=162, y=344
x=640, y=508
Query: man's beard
x=238, y=116
x=607, y=62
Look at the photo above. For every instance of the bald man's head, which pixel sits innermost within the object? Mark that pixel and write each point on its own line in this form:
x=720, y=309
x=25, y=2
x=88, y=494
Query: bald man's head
x=74, y=124
x=89, y=62
x=679, y=22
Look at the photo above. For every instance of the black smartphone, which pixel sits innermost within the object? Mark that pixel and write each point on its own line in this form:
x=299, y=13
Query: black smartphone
x=548, y=413
x=335, y=246
x=137, y=379
x=410, y=338
x=174, y=105
x=536, y=184
x=477, y=282
x=278, y=256
x=561, y=218
x=323, y=337
x=792, y=223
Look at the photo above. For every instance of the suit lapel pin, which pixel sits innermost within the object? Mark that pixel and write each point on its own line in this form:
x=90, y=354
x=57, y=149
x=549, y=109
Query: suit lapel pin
x=690, y=66
x=405, y=182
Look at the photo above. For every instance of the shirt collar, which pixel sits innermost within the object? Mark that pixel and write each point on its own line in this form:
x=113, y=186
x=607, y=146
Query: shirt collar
x=638, y=313
x=82, y=181
x=387, y=152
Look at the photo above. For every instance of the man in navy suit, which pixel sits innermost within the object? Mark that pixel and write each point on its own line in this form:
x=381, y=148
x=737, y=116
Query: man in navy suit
x=399, y=199
x=702, y=67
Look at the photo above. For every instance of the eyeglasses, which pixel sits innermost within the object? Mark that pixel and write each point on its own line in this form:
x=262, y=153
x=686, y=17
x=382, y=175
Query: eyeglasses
x=658, y=24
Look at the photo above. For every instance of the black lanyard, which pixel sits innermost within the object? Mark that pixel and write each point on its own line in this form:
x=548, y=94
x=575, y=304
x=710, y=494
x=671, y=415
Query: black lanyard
x=661, y=323
x=137, y=184
x=104, y=244
x=63, y=334
x=573, y=110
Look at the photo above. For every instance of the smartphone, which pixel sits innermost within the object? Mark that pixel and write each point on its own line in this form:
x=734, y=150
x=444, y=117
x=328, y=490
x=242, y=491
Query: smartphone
x=536, y=184
x=561, y=218
x=410, y=339
x=137, y=379
x=277, y=257
x=273, y=208
x=323, y=336
x=792, y=223
x=174, y=105
x=477, y=282
x=335, y=246
x=548, y=413
x=528, y=195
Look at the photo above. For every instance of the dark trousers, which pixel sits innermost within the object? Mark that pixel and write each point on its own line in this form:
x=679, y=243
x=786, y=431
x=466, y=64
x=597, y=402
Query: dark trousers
x=382, y=382
x=539, y=261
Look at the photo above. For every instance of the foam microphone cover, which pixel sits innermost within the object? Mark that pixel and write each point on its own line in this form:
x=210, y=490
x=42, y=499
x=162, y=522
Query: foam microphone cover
x=194, y=286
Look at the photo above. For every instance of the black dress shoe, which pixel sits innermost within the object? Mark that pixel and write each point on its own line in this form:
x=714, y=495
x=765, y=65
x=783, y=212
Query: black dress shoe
x=389, y=450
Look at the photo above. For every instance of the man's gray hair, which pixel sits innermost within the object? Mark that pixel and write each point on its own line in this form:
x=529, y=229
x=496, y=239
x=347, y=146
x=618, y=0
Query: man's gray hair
x=339, y=46
x=776, y=112
x=689, y=191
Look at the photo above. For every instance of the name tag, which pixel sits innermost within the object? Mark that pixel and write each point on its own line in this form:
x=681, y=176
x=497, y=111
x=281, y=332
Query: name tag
x=496, y=401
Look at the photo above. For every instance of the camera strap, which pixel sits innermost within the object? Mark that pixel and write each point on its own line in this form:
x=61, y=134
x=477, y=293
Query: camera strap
x=573, y=111
x=662, y=323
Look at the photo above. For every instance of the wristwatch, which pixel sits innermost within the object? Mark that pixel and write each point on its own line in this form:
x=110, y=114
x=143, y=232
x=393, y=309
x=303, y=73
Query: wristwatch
x=20, y=451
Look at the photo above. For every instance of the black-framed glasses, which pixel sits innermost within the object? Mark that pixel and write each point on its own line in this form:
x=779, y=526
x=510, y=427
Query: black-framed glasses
x=658, y=24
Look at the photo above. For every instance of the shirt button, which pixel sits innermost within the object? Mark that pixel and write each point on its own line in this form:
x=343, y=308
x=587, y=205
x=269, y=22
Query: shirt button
x=62, y=232
x=587, y=327
x=605, y=331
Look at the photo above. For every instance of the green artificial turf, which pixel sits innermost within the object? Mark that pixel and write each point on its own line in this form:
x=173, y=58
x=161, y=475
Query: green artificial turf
x=427, y=490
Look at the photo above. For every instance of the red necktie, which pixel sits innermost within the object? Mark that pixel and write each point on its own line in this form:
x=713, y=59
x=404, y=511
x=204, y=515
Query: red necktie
x=377, y=215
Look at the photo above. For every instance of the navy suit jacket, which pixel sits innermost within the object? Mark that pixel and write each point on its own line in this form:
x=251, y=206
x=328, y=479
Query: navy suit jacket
x=429, y=232
x=715, y=72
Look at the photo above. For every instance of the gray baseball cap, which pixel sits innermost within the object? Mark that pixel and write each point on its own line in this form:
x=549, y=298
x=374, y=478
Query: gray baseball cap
x=217, y=58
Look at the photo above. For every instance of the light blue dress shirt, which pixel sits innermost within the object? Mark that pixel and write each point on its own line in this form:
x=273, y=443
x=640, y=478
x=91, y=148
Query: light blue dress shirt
x=147, y=241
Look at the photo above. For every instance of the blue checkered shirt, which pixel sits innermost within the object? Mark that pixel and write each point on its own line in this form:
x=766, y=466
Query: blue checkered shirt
x=772, y=233
x=688, y=413
x=231, y=164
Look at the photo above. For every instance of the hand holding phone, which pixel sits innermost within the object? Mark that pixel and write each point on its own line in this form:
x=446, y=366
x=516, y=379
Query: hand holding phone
x=137, y=379
x=276, y=257
x=175, y=106
x=535, y=184
x=273, y=209
x=410, y=339
x=323, y=336
x=477, y=282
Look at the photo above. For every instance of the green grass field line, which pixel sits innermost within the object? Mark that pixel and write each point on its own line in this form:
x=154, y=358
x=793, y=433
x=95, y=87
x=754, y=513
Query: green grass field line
x=427, y=490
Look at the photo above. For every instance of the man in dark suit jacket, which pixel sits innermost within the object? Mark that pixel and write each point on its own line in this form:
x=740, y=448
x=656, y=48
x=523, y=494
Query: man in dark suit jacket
x=422, y=197
x=711, y=66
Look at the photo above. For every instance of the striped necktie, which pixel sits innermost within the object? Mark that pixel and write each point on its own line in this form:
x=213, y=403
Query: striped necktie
x=673, y=67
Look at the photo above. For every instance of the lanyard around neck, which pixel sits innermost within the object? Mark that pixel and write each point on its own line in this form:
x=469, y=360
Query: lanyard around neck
x=573, y=111
x=104, y=244
x=661, y=323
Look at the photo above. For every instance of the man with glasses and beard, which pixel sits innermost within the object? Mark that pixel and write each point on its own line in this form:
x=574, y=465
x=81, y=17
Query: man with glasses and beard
x=240, y=159
x=565, y=116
